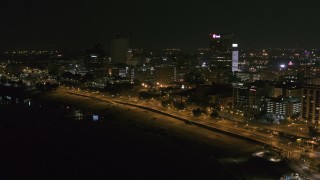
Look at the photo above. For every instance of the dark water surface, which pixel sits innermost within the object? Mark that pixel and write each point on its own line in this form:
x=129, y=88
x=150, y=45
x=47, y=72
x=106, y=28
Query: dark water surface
x=56, y=142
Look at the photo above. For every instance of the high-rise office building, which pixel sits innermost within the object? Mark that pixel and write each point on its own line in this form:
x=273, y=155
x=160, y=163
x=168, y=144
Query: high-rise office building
x=119, y=50
x=235, y=58
x=224, y=58
x=224, y=52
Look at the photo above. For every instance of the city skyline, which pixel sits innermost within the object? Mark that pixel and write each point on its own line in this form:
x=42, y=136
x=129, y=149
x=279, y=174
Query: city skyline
x=33, y=24
x=159, y=89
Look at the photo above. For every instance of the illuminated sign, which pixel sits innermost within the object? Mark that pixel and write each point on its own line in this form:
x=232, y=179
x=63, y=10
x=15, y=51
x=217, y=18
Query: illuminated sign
x=282, y=66
x=216, y=36
x=234, y=45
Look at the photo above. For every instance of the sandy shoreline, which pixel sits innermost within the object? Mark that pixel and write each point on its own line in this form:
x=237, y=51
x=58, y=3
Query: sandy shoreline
x=198, y=138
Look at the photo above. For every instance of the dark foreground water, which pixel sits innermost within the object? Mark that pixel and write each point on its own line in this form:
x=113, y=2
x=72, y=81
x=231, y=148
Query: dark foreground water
x=56, y=142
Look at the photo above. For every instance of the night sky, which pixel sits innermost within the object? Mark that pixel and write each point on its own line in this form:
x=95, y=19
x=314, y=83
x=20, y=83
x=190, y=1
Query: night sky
x=63, y=24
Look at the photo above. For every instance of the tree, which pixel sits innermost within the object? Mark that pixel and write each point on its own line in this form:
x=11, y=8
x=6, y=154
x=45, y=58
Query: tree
x=269, y=119
x=312, y=131
x=214, y=114
x=179, y=105
x=215, y=106
x=165, y=103
x=196, y=112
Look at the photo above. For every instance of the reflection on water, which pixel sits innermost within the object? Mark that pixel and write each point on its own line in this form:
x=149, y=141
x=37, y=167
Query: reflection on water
x=6, y=100
x=260, y=165
x=293, y=176
x=73, y=113
x=268, y=155
x=78, y=114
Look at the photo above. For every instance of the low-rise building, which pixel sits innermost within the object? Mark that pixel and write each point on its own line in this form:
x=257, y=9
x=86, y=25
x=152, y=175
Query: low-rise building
x=283, y=107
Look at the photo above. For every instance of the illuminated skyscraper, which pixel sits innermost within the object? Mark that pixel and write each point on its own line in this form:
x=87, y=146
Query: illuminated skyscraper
x=224, y=52
x=235, y=58
x=224, y=57
x=119, y=50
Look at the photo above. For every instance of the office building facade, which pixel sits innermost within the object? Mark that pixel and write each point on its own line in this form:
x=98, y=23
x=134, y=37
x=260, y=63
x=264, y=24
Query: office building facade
x=311, y=103
x=224, y=56
x=224, y=52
